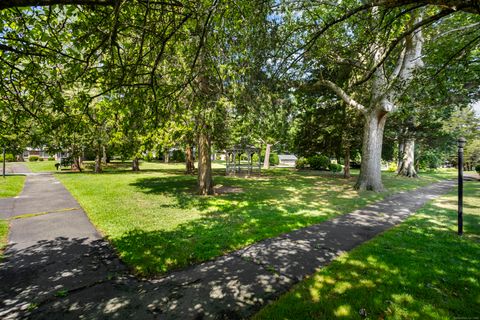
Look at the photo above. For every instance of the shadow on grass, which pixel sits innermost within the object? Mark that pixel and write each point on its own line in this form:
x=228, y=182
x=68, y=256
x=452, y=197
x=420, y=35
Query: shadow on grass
x=266, y=208
x=420, y=270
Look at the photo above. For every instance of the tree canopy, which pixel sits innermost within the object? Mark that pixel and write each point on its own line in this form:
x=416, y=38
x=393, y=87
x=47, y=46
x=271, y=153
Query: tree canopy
x=303, y=76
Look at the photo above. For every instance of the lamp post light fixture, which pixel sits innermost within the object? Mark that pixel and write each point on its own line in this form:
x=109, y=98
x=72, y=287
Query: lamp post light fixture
x=461, y=143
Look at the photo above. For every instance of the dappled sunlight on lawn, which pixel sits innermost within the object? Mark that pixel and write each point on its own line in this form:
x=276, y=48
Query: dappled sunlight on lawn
x=157, y=222
x=419, y=270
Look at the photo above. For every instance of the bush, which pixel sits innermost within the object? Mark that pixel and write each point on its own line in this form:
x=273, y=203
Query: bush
x=178, y=156
x=41, y=159
x=33, y=158
x=51, y=159
x=477, y=168
x=392, y=167
x=274, y=159
x=301, y=163
x=319, y=162
x=334, y=167
x=8, y=158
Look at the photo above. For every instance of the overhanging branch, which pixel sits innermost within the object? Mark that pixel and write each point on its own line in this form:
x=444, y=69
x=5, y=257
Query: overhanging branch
x=341, y=94
x=40, y=3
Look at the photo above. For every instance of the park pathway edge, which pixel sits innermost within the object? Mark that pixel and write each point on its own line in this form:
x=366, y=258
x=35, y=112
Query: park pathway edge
x=234, y=286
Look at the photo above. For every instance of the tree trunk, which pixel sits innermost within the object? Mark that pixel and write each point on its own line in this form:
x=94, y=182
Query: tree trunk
x=135, y=164
x=98, y=160
x=104, y=155
x=401, y=147
x=205, y=181
x=266, y=161
x=407, y=163
x=189, y=160
x=346, y=160
x=20, y=158
x=166, y=157
x=370, y=172
x=77, y=164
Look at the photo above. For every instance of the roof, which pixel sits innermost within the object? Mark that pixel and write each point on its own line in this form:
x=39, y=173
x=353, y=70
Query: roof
x=283, y=157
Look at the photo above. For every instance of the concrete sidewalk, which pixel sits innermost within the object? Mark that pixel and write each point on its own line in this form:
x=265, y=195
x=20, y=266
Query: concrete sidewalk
x=57, y=266
x=52, y=246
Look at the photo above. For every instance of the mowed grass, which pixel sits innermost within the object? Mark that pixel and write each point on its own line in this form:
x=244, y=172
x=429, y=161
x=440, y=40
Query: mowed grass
x=157, y=223
x=40, y=166
x=418, y=270
x=49, y=166
x=11, y=186
x=3, y=236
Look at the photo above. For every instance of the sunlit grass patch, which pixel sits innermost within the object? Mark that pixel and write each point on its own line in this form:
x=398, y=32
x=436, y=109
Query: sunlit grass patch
x=11, y=186
x=40, y=166
x=157, y=223
x=418, y=270
x=3, y=236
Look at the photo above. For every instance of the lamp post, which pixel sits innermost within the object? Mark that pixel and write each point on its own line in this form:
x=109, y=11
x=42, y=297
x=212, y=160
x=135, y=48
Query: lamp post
x=461, y=143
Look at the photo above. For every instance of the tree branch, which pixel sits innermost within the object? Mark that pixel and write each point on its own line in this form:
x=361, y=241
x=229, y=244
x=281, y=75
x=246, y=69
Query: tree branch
x=397, y=40
x=341, y=94
x=32, y=3
x=470, y=6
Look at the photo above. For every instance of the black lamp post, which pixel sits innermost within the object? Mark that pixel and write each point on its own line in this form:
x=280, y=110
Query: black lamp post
x=461, y=143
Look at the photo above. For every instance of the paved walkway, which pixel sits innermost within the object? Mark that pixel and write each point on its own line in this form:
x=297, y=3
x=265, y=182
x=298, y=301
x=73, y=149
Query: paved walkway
x=57, y=266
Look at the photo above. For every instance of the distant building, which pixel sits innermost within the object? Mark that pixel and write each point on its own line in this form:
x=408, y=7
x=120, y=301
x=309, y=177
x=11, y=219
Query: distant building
x=41, y=153
x=287, y=160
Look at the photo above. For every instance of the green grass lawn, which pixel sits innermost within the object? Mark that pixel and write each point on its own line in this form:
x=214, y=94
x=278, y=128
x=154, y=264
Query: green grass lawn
x=41, y=166
x=11, y=186
x=49, y=166
x=157, y=223
x=3, y=236
x=418, y=270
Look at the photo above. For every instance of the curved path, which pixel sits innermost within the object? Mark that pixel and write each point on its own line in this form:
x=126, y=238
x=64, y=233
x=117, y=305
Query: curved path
x=57, y=266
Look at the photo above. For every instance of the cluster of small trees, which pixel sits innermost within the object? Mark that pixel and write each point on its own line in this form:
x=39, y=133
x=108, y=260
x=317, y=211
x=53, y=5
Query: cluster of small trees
x=136, y=75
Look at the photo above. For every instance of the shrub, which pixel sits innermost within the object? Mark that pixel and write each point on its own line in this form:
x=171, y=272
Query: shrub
x=51, y=159
x=301, y=163
x=178, y=156
x=41, y=159
x=274, y=159
x=392, y=167
x=33, y=158
x=334, y=167
x=8, y=157
x=477, y=168
x=319, y=162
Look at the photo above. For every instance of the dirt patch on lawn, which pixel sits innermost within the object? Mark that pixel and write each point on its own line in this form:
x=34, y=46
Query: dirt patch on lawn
x=220, y=189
